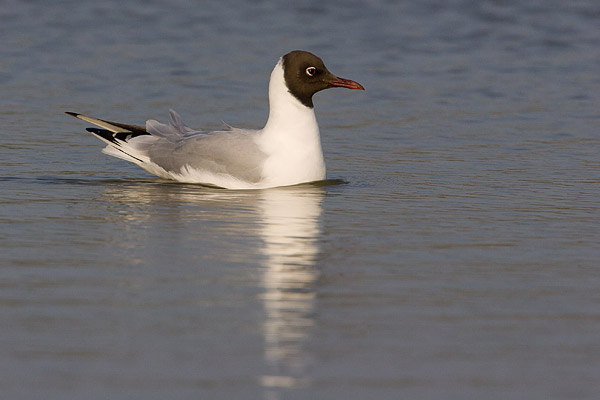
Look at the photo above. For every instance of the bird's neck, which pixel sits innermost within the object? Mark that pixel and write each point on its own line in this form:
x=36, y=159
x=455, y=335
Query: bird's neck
x=290, y=138
x=287, y=115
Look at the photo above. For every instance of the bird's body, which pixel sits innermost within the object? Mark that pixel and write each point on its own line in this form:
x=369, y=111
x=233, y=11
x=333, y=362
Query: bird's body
x=287, y=151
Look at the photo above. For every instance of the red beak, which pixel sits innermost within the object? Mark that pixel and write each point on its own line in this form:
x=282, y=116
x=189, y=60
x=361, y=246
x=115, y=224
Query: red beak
x=345, y=83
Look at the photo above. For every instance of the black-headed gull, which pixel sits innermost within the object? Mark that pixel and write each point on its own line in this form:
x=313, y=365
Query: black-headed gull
x=287, y=151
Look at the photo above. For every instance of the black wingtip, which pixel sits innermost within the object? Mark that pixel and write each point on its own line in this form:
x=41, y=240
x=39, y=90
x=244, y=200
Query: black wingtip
x=72, y=114
x=104, y=134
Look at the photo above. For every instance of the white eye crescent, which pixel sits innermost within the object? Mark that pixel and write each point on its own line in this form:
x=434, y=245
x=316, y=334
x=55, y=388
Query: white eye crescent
x=311, y=71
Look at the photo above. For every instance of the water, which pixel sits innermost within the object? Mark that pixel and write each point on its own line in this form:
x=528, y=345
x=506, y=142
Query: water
x=454, y=253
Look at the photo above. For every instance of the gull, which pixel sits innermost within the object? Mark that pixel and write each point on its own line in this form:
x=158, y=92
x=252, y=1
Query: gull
x=287, y=151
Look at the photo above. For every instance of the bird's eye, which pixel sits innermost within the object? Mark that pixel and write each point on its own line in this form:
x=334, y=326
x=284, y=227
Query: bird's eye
x=311, y=71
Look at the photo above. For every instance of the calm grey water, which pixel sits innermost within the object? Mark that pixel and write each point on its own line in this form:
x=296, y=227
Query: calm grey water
x=459, y=260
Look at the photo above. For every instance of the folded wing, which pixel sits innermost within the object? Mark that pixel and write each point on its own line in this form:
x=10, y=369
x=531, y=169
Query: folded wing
x=177, y=152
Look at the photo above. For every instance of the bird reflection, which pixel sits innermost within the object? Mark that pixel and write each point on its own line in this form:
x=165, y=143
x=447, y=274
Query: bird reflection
x=290, y=231
x=287, y=223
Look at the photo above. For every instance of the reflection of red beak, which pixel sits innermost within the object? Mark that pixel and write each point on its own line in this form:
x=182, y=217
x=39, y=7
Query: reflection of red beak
x=345, y=83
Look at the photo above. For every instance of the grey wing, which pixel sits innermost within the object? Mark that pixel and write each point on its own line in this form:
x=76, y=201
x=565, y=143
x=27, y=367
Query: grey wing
x=232, y=153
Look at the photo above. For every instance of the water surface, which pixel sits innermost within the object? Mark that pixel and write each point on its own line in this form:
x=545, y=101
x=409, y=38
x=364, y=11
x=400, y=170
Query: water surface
x=454, y=253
